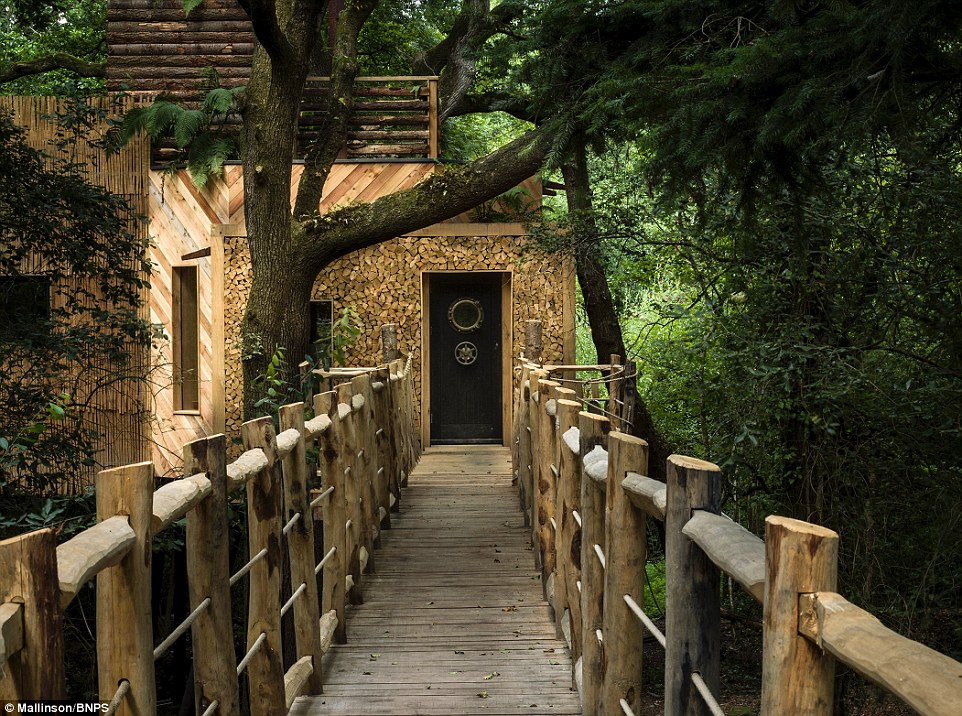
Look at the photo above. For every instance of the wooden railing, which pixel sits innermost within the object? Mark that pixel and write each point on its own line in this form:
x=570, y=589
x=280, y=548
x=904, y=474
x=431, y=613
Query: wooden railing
x=392, y=117
x=364, y=435
x=590, y=497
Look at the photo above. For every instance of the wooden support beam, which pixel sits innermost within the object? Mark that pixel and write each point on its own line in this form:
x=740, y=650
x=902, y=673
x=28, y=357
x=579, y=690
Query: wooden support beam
x=797, y=677
x=208, y=574
x=692, y=594
x=125, y=646
x=28, y=580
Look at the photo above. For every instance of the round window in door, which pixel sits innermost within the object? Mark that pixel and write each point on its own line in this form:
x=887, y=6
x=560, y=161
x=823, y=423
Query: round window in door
x=465, y=315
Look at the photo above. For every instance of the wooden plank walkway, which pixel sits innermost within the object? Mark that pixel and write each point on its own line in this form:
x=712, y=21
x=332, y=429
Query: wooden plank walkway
x=454, y=622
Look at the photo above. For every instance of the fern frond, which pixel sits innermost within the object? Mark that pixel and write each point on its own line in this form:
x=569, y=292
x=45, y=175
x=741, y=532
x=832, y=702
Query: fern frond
x=218, y=101
x=189, y=123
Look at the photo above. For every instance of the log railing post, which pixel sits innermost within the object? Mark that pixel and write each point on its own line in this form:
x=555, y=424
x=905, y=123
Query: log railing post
x=625, y=556
x=692, y=601
x=125, y=647
x=559, y=602
x=347, y=450
x=389, y=344
x=545, y=492
x=524, y=446
x=386, y=483
x=265, y=671
x=535, y=415
x=569, y=541
x=532, y=340
x=593, y=432
x=208, y=575
x=367, y=466
x=300, y=546
x=28, y=576
x=797, y=677
x=335, y=514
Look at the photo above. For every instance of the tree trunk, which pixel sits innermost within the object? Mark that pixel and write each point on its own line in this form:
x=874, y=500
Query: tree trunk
x=278, y=313
x=599, y=306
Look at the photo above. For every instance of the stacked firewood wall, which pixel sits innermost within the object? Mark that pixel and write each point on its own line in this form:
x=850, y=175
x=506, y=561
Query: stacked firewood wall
x=383, y=284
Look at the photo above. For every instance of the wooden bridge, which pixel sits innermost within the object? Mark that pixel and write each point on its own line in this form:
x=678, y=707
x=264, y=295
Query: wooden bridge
x=418, y=586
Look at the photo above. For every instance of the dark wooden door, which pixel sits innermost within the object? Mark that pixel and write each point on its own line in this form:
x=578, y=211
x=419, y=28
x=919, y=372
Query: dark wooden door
x=465, y=345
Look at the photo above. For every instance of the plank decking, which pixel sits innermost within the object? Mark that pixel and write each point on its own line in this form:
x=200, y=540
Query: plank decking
x=453, y=622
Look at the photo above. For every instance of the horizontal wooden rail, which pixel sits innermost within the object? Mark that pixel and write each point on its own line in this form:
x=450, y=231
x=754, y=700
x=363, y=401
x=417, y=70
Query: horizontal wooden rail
x=587, y=483
x=80, y=559
x=926, y=680
x=366, y=440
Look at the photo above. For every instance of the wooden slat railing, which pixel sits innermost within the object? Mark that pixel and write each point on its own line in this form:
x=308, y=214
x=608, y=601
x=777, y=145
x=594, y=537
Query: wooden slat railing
x=392, y=117
x=363, y=432
x=584, y=482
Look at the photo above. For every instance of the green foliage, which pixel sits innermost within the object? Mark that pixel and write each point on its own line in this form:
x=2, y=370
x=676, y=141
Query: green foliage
x=781, y=242
x=72, y=275
x=200, y=136
x=29, y=30
x=337, y=337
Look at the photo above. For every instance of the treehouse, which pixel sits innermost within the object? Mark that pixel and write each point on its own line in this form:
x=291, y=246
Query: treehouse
x=458, y=292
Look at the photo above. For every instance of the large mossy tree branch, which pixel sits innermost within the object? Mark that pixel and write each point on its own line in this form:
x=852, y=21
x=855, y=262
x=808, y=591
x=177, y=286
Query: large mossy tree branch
x=441, y=196
x=48, y=63
x=453, y=57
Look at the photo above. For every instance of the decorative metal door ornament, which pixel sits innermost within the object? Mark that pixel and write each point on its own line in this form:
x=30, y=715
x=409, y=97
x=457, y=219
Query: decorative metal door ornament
x=466, y=353
x=465, y=315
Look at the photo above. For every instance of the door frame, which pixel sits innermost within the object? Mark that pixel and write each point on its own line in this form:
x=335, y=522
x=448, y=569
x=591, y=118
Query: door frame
x=507, y=344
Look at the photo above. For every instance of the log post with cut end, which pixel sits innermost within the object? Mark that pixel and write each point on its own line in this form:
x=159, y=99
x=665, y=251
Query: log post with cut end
x=797, y=677
x=125, y=646
x=389, y=346
x=28, y=576
x=265, y=672
x=384, y=478
x=532, y=340
x=535, y=418
x=347, y=451
x=545, y=492
x=367, y=465
x=692, y=588
x=593, y=432
x=569, y=542
x=560, y=601
x=335, y=514
x=524, y=446
x=625, y=555
x=208, y=575
x=300, y=546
